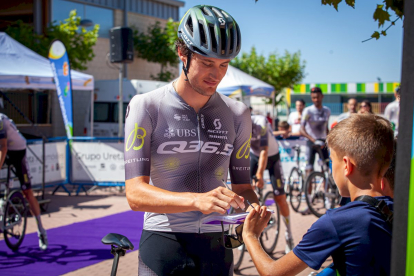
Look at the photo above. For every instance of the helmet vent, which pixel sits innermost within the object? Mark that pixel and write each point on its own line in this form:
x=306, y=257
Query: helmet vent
x=197, y=50
x=217, y=12
x=213, y=38
x=231, y=31
x=207, y=11
x=223, y=41
x=190, y=25
x=202, y=35
x=238, y=38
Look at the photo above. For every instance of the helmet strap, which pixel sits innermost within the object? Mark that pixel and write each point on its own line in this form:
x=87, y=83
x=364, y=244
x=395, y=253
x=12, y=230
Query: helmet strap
x=185, y=69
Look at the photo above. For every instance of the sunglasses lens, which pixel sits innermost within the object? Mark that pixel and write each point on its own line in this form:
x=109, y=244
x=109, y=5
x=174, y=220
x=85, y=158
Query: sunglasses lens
x=231, y=242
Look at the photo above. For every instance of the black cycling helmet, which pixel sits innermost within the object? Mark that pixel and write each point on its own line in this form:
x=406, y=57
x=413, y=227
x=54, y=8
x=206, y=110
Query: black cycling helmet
x=211, y=32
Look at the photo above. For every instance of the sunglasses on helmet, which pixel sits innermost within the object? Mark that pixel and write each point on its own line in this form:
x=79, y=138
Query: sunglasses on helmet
x=230, y=241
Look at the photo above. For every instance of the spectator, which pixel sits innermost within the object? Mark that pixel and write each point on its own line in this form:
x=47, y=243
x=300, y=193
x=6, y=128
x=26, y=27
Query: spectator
x=352, y=109
x=365, y=107
x=282, y=130
x=269, y=119
x=392, y=111
x=296, y=117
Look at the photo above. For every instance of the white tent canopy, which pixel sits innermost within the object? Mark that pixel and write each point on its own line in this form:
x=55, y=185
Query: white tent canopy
x=21, y=68
x=238, y=82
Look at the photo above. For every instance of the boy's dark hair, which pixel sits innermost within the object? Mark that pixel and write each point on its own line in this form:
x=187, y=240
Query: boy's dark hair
x=283, y=124
x=366, y=138
x=390, y=173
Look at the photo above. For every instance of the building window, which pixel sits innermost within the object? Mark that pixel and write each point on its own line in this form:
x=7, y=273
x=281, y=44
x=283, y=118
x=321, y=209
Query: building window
x=103, y=17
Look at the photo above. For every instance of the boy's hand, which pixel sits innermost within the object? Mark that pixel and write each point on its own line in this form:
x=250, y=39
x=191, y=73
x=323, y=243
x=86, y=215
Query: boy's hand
x=255, y=222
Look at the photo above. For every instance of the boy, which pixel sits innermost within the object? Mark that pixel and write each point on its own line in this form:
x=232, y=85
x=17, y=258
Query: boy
x=356, y=235
x=282, y=130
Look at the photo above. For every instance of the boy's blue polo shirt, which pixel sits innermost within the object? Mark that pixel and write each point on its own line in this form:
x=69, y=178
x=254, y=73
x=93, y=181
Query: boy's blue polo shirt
x=355, y=235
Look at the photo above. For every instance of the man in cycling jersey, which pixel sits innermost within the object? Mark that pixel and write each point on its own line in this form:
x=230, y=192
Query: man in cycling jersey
x=181, y=141
x=13, y=152
x=265, y=155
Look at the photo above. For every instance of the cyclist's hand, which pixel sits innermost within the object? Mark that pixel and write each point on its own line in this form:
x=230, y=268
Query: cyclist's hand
x=255, y=222
x=258, y=182
x=218, y=200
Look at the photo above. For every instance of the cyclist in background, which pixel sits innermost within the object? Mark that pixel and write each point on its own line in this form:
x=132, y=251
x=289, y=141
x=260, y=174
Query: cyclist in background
x=314, y=127
x=295, y=118
x=392, y=111
x=13, y=152
x=265, y=156
x=181, y=141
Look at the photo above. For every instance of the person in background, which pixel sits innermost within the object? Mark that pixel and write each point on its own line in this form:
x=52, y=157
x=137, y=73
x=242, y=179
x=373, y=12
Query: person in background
x=352, y=109
x=283, y=130
x=365, y=107
x=269, y=119
x=296, y=117
x=392, y=111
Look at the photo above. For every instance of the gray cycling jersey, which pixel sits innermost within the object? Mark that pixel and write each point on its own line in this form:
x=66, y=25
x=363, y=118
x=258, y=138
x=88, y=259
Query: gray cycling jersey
x=185, y=151
x=262, y=136
x=316, y=121
x=8, y=130
x=392, y=112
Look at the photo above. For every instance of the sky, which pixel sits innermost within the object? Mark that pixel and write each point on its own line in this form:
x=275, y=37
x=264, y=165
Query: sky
x=330, y=41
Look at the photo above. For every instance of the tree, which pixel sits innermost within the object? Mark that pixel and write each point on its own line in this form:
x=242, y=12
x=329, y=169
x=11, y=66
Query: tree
x=381, y=13
x=157, y=45
x=78, y=41
x=280, y=71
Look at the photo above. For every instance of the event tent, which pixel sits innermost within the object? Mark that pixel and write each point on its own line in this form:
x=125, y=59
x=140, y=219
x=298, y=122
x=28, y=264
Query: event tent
x=237, y=82
x=21, y=68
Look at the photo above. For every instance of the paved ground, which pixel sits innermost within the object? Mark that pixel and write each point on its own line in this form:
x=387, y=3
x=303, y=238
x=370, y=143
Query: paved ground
x=65, y=210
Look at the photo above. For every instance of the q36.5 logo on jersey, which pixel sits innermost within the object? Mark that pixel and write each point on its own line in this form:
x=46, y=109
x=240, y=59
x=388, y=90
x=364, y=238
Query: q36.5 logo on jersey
x=136, y=136
x=174, y=147
x=244, y=150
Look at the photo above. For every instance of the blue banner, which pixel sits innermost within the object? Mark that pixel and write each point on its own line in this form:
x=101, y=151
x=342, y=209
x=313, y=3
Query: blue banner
x=59, y=61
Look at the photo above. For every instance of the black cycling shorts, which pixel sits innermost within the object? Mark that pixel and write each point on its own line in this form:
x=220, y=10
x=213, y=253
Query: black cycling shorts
x=275, y=172
x=167, y=253
x=18, y=160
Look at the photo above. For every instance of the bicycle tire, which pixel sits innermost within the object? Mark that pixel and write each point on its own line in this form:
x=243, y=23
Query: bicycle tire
x=14, y=220
x=270, y=235
x=238, y=253
x=296, y=187
x=318, y=194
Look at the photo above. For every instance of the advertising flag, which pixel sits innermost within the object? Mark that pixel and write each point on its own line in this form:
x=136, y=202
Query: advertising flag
x=59, y=61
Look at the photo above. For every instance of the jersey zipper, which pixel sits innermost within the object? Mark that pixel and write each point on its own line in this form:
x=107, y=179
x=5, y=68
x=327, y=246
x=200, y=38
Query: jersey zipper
x=199, y=162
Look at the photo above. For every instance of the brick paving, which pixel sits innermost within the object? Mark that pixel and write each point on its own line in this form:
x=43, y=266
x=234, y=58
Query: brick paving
x=64, y=210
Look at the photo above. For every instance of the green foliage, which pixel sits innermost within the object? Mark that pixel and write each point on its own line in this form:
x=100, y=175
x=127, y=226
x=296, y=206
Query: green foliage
x=157, y=45
x=78, y=40
x=280, y=71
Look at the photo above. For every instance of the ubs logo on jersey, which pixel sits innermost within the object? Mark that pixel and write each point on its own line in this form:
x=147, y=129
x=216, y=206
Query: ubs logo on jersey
x=180, y=132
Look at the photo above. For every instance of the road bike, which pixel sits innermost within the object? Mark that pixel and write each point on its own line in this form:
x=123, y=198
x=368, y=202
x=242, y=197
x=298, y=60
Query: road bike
x=296, y=183
x=320, y=188
x=13, y=214
x=270, y=234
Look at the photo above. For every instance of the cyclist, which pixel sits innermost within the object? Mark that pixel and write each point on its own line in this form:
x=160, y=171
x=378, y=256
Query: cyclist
x=13, y=152
x=181, y=140
x=392, y=111
x=314, y=127
x=357, y=235
x=265, y=155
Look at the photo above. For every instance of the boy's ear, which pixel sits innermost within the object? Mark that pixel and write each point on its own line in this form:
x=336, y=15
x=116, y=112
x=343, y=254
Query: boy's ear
x=349, y=166
x=383, y=183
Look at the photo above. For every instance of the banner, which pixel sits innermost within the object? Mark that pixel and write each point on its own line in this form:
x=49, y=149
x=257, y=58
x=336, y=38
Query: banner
x=59, y=61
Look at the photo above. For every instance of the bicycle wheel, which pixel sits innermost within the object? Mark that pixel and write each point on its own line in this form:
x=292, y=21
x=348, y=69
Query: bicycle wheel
x=270, y=234
x=296, y=185
x=238, y=252
x=14, y=220
x=315, y=194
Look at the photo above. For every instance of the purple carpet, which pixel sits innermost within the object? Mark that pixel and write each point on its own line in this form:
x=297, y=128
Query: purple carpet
x=70, y=247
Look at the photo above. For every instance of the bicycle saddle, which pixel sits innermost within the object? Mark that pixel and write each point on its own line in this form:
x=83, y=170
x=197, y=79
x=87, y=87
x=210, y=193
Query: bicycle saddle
x=118, y=240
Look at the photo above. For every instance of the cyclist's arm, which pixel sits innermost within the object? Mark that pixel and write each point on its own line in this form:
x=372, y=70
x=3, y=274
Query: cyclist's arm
x=305, y=134
x=261, y=166
x=3, y=151
x=289, y=264
x=142, y=196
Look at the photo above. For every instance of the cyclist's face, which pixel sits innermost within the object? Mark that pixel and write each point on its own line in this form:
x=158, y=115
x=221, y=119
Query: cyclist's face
x=338, y=173
x=206, y=73
x=317, y=99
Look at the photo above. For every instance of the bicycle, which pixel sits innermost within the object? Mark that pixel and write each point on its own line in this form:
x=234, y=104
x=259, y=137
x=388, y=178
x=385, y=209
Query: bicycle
x=322, y=192
x=296, y=183
x=270, y=234
x=119, y=245
x=13, y=215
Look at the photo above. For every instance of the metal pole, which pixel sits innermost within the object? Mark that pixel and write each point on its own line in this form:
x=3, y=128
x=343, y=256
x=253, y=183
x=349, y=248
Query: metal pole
x=92, y=111
x=43, y=168
x=120, y=106
x=125, y=67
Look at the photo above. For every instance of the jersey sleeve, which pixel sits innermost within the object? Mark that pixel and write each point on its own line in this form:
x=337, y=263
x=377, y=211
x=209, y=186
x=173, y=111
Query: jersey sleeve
x=305, y=117
x=240, y=157
x=318, y=243
x=264, y=139
x=3, y=128
x=137, y=145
